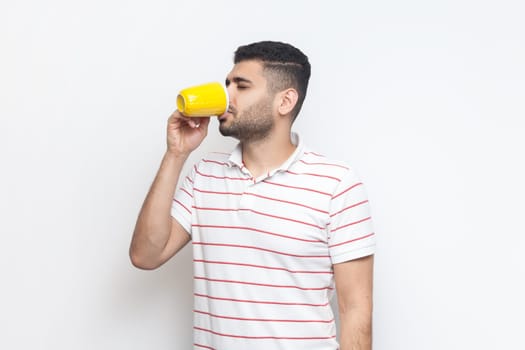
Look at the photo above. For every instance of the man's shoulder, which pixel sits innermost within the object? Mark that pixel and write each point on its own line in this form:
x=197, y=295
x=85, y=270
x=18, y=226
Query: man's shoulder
x=317, y=161
x=216, y=157
x=214, y=161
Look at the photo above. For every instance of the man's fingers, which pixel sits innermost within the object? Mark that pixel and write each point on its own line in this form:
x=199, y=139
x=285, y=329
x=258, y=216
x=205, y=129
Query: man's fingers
x=192, y=122
x=197, y=122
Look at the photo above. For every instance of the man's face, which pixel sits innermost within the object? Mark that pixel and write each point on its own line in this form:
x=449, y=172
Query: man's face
x=250, y=114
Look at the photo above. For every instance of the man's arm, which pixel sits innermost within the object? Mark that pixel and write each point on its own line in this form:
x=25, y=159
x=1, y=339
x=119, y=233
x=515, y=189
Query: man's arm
x=157, y=236
x=354, y=284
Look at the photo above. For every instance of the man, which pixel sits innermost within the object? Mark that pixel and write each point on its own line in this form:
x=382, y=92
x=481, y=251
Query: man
x=275, y=227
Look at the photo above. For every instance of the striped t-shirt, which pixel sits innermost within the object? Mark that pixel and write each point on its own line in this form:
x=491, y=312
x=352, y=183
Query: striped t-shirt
x=263, y=248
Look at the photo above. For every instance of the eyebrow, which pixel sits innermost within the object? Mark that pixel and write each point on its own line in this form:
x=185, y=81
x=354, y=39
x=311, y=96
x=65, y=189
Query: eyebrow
x=237, y=80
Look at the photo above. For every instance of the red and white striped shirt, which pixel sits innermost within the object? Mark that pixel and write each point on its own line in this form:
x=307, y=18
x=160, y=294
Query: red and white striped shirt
x=263, y=248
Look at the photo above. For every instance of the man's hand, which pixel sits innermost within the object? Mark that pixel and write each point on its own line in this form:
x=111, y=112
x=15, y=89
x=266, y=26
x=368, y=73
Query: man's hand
x=185, y=134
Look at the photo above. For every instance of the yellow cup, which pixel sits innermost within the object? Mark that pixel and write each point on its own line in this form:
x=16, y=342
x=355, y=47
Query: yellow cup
x=203, y=100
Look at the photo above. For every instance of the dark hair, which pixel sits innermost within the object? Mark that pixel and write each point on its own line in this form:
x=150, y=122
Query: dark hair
x=285, y=66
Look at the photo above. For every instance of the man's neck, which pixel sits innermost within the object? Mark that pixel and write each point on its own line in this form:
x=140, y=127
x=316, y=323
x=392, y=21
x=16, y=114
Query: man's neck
x=263, y=156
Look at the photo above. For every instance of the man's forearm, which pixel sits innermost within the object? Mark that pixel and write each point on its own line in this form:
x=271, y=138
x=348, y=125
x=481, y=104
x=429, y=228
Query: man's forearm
x=153, y=225
x=356, y=329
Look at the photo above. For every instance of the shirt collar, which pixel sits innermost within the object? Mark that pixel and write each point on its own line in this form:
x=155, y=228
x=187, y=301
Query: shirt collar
x=235, y=158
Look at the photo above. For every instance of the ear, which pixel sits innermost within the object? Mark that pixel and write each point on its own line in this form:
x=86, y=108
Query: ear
x=287, y=101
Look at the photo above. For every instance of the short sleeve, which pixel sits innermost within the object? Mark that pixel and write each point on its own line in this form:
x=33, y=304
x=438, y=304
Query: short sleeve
x=350, y=232
x=181, y=208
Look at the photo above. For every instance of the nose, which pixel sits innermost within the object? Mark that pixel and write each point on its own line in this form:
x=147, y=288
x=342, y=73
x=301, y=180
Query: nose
x=230, y=89
x=231, y=94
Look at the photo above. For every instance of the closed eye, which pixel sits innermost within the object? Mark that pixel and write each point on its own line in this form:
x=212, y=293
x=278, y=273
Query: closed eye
x=242, y=83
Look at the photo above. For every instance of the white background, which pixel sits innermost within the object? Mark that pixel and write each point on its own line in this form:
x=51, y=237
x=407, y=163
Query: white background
x=425, y=98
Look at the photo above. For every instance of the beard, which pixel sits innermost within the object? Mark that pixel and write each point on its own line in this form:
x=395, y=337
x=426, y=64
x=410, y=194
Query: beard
x=254, y=124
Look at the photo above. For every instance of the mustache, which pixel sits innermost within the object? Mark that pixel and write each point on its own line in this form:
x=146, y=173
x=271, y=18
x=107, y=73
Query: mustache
x=232, y=110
